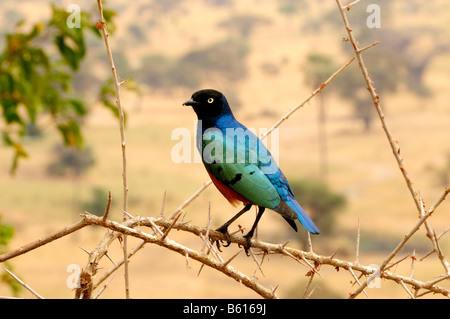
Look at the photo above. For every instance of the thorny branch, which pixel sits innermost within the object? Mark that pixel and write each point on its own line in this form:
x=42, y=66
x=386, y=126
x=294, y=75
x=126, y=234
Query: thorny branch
x=131, y=227
x=90, y=269
x=396, y=151
x=101, y=25
x=161, y=227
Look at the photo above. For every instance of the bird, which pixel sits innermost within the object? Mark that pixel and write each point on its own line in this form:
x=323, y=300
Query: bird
x=240, y=166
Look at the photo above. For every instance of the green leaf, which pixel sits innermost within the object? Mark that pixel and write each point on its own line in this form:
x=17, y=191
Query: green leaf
x=77, y=106
x=7, y=139
x=10, y=112
x=107, y=95
x=37, y=79
x=69, y=55
x=71, y=133
x=19, y=151
x=111, y=106
x=6, y=233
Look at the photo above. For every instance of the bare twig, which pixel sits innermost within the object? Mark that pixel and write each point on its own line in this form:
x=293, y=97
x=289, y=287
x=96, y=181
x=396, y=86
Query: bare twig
x=396, y=263
x=208, y=227
x=44, y=240
x=190, y=199
x=183, y=250
x=349, y=5
x=394, y=252
x=267, y=248
x=439, y=201
x=102, y=289
x=413, y=260
x=313, y=94
x=108, y=205
x=432, y=235
x=231, y=258
x=310, y=247
x=101, y=25
x=396, y=151
x=118, y=229
x=163, y=205
x=256, y=262
x=369, y=46
x=163, y=237
x=438, y=237
x=406, y=289
x=131, y=226
x=356, y=279
x=117, y=265
x=24, y=284
x=376, y=100
x=86, y=284
x=311, y=277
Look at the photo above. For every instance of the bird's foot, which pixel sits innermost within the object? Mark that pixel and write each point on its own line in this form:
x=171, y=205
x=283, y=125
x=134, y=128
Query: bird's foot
x=248, y=245
x=224, y=231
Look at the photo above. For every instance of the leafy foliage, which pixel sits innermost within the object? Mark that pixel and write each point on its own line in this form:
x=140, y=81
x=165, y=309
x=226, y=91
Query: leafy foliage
x=36, y=72
x=6, y=234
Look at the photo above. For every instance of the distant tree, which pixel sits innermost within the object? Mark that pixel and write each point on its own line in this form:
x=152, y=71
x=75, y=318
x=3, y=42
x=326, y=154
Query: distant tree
x=412, y=48
x=243, y=25
x=223, y=59
x=289, y=7
x=164, y=7
x=385, y=71
x=155, y=71
x=70, y=161
x=96, y=203
x=417, y=48
x=317, y=69
x=321, y=203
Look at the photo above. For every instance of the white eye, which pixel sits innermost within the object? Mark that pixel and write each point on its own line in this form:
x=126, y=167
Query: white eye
x=210, y=100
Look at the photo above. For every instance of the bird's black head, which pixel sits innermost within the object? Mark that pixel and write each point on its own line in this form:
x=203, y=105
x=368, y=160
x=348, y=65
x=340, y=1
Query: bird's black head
x=207, y=104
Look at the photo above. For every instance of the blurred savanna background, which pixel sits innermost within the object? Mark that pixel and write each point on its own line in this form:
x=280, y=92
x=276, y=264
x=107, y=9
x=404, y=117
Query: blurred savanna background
x=61, y=154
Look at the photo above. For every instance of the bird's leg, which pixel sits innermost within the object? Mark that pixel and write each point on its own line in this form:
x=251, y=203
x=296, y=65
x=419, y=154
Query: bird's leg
x=250, y=233
x=224, y=228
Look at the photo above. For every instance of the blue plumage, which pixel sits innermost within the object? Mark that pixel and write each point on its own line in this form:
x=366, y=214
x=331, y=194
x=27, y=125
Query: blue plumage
x=239, y=163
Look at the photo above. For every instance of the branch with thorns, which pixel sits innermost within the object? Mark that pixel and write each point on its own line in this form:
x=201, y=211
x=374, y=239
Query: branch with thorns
x=101, y=25
x=161, y=227
x=86, y=283
x=417, y=198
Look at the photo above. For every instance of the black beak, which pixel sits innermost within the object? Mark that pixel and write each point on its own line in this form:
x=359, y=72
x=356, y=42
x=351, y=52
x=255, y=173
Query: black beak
x=190, y=102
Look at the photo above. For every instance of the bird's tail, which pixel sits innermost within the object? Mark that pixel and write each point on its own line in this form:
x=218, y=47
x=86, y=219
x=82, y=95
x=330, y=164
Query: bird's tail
x=304, y=219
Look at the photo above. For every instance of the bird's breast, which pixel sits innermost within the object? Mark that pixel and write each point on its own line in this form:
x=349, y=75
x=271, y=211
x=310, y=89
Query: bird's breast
x=232, y=196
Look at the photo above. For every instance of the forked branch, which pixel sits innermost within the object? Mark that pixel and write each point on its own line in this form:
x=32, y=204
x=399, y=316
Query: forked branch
x=101, y=25
x=396, y=151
